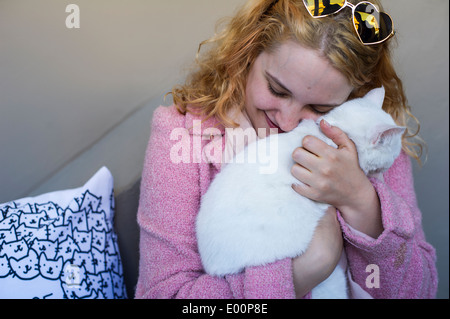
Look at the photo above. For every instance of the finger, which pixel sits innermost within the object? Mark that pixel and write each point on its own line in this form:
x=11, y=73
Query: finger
x=305, y=180
x=316, y=146
x=304, y=158
x=303, y=190
x=302, y=174
x=336, y=135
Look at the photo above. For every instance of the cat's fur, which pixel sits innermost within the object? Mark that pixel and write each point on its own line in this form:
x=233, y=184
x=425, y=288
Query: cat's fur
x=248, y=218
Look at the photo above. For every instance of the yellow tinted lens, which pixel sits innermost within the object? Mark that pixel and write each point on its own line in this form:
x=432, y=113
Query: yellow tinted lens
x=318, y=8
x=371, y=25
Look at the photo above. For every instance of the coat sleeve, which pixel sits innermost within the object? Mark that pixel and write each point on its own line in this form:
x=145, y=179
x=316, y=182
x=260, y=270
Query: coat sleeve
x=400, y=257
x=170, y=265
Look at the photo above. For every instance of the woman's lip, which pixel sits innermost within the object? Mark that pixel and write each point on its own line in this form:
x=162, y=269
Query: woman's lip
x=272, y=124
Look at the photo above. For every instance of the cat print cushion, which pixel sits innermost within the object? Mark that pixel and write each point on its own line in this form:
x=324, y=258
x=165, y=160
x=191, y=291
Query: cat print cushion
x=62, y=245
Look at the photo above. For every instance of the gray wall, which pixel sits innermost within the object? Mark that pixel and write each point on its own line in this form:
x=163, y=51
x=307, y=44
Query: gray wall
x=63, y=89
x=422, y=59
x=83, y=97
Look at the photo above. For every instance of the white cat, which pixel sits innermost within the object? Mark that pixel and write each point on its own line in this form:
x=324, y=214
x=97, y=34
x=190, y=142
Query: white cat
x=248, y=218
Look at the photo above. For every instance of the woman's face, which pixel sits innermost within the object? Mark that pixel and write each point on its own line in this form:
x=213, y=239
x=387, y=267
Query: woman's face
x=291, y=84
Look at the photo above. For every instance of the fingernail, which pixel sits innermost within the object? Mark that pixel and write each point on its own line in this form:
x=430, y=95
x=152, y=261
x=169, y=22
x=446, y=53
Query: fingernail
x=326, y=123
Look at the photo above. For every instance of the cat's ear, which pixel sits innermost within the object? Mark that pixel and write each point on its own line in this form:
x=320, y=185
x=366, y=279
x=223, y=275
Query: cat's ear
x=376, y=96
x=43, y=257
x=386, y=132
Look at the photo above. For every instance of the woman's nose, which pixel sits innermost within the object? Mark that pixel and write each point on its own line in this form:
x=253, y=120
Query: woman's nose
x=291, y=117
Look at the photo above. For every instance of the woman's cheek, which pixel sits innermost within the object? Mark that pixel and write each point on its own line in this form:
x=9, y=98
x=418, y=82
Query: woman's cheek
x=264, y=101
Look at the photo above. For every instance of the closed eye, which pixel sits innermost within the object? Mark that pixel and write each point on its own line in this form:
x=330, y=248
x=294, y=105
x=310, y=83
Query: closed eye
x=321, y=109
x=276, y=88
x=277, y=93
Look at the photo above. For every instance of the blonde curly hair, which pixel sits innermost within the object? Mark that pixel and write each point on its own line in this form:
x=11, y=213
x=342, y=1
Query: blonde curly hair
x=218, y=82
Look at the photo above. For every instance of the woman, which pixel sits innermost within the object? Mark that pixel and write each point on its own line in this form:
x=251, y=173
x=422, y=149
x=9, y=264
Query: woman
x=275, y=64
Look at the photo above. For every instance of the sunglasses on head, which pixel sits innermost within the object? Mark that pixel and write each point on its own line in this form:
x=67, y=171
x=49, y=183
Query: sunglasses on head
x=371, y=26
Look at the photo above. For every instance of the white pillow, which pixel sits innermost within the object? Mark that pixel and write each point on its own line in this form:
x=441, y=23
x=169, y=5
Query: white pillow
x=62, y=244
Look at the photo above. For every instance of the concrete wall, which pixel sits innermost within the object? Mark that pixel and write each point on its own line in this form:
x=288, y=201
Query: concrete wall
x=72, y=100
x=63, y=89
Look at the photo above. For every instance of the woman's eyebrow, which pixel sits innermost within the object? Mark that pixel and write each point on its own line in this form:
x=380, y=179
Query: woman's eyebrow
x=277, y=82
x=283, y=87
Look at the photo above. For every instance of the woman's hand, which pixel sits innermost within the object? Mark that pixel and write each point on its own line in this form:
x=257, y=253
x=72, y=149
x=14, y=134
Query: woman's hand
x=321, y=257
x=333, y=176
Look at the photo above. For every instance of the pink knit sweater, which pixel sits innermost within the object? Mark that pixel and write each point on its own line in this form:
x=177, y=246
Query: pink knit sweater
x=170, y=265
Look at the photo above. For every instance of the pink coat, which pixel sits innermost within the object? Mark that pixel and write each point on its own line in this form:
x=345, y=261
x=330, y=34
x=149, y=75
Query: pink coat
x=170, y=265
